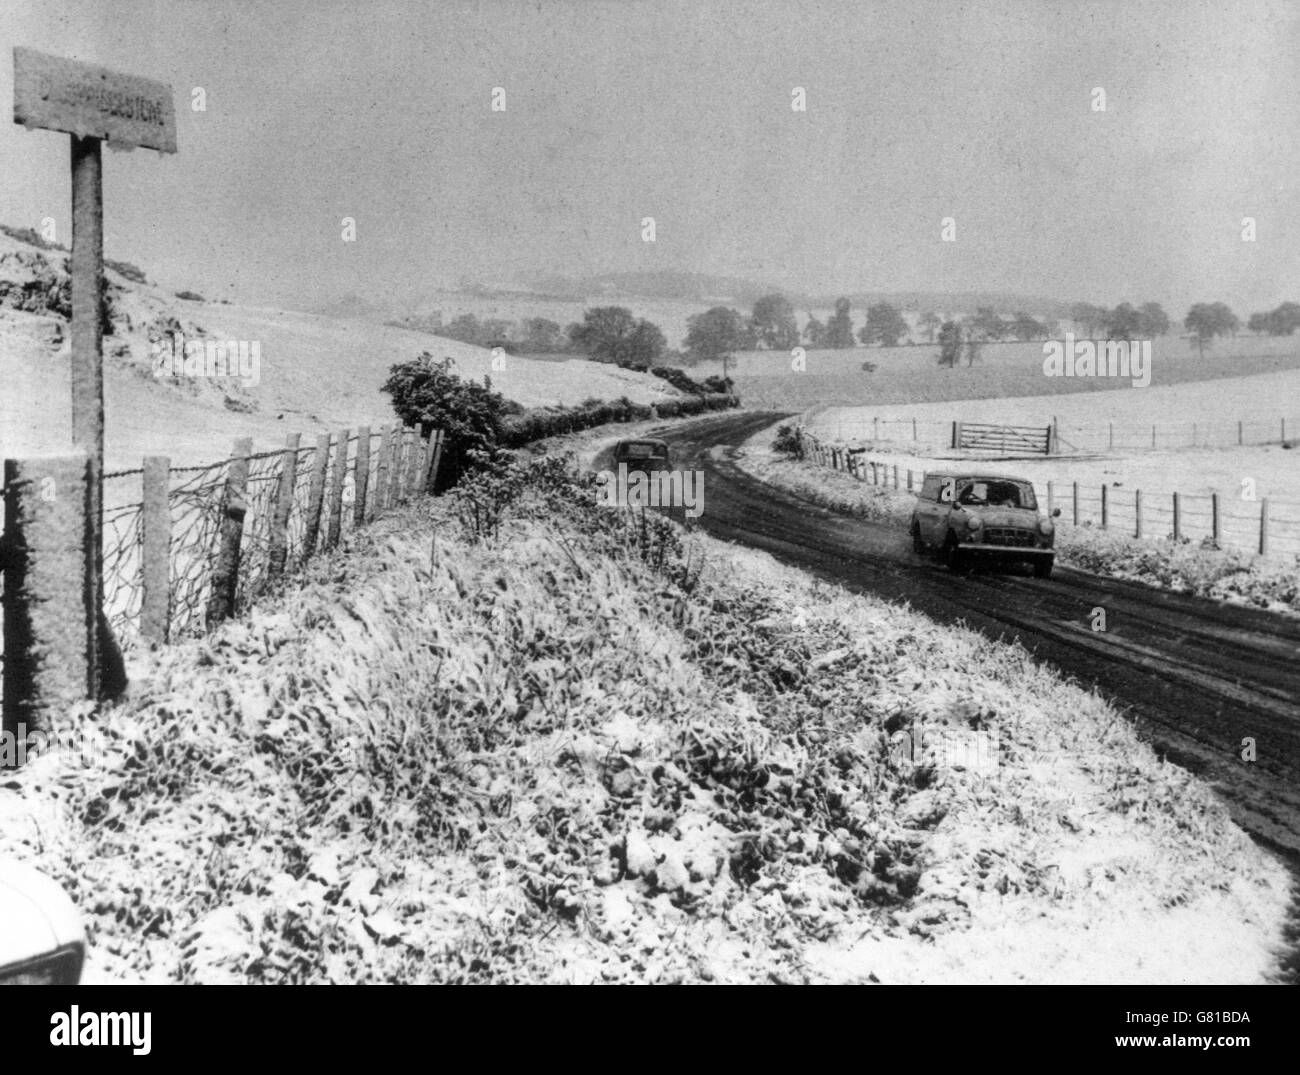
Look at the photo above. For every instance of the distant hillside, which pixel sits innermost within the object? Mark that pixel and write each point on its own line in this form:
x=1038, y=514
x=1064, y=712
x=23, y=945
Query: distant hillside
x=734, y=291
x=313, y=373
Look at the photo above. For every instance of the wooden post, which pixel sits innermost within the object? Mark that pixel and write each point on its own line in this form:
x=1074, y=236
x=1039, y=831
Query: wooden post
x=1263, y=527
x=87, y=372
x=49, y=617
x=155, y=550
x=1104, y=518
x=1214, y=517
x=1111, y=442
x=361, y=476
x=909, y=479
x=433, y=465
x=91, y=103
x=278, y=541
x=895, y=475
x=315, y=496
x=1137, y=513
x=1153, y=435
x=234, y=506
x=1239, y=433
x=409, y=444
x=913, y=429
x=956, y=434
x=1076, y=503
x=1051, y=498
x=334, y=526
x=1178, y=519
x=381, y=472
x=397, y=469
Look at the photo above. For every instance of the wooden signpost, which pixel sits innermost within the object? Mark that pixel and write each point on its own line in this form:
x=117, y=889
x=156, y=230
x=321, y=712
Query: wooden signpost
x=93, y=105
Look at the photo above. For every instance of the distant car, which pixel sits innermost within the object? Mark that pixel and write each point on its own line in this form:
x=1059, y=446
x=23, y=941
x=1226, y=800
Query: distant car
x=964, y=516
x=643, y=455
x=41, y=938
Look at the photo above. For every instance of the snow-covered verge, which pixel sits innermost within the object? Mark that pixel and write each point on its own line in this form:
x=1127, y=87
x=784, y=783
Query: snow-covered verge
x=1184, y=566
x=590, y=749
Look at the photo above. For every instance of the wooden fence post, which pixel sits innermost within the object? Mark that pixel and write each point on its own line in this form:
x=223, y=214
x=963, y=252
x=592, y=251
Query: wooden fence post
x=1153, y=435
x=1238, y=433
x=361, y=476
x=397, y=468
x=234, y=506
x=407, y=463
x=1178, y=519
x=278, y=542
x=913, y=429
x=155, y=549
x=1137, y=513
x=1076, y=503
x=1214, y=517
x=1263, y=527
x=381, y=472
x=895, y=475
x=909, y=479
x=1104, y=517
x=315, y=496
x=1111, y=442
x=432, y=480
x=1051, y=497
x=337, y=477
x=49, y=612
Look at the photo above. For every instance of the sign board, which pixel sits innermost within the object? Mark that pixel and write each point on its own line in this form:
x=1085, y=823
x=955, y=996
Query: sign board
x=92, y=102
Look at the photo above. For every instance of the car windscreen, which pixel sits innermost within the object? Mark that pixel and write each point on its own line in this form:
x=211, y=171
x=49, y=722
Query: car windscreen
x=985, y=492
x=642, y=450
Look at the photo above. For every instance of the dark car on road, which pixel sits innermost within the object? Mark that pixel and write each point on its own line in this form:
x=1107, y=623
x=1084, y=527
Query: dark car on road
x=964, y=516
x=643, y=454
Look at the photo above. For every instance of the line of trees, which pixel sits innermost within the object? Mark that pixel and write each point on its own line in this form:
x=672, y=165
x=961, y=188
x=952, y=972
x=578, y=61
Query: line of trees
x=1122, y=322
x=613, y=334
x=1282, y=321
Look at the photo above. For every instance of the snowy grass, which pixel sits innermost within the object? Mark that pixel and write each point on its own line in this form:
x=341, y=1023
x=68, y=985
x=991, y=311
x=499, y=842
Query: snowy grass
x=593, y=749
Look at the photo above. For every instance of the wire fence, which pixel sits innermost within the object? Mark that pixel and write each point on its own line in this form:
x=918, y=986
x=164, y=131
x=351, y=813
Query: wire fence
x=196, y=501
x=1267, y=526
x=1113, y=436
x=183, y=548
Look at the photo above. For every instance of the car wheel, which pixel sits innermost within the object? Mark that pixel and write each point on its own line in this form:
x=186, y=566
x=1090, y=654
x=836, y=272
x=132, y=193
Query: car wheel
x=1043, y=569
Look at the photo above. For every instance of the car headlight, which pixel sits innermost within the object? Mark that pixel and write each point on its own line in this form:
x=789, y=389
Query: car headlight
x=41, y=936
x=62, y=967
x=1045, y=526
x=974, y=522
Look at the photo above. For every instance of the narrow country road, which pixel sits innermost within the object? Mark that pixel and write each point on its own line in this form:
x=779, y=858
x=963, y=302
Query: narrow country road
x=1198, y=676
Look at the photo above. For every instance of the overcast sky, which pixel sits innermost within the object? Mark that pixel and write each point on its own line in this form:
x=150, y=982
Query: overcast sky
x=381, y=110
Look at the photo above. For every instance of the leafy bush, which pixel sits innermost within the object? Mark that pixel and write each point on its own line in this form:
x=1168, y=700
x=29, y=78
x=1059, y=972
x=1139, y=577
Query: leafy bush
x=788, y=441
x=551, y=421
x=426, y=393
